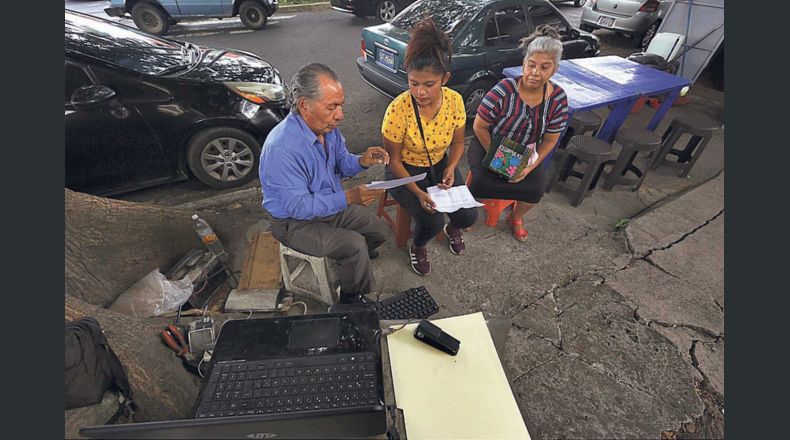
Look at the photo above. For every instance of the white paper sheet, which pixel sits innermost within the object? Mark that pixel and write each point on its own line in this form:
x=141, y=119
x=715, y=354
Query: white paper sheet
x=388, y=184
x=466, y=396
x=453, y=199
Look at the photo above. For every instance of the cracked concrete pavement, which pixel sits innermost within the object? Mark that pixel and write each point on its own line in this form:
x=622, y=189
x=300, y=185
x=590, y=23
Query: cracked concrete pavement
x=617, y=332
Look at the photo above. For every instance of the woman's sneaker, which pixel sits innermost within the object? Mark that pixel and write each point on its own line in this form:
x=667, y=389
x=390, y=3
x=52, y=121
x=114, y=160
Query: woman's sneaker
x=455, y=238
x=418, y=258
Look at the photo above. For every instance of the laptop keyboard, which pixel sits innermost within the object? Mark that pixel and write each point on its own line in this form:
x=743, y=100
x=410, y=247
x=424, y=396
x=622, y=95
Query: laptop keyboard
x=291, y=385
x=415, y=303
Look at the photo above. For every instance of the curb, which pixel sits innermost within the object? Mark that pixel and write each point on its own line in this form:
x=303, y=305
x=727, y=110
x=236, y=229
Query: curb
x=222, y=199
x=309, y=7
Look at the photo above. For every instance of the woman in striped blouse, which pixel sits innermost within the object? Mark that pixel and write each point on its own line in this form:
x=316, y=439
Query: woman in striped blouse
x=528, y=109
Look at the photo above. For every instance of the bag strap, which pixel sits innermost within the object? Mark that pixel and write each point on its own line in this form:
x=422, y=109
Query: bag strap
x=422, y=134
x=543, y=110
x=119, y=377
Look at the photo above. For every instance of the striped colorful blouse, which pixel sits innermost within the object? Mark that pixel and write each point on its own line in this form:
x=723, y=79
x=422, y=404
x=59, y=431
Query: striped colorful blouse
x=509, y=116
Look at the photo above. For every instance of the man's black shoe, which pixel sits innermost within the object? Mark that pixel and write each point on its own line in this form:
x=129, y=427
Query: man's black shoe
x=373, y=254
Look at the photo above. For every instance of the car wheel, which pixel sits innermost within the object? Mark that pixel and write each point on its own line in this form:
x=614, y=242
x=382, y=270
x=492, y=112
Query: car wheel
x=579, y=3
x=386, y=10
x=253, y=15
x=223, y=157
x=150, y=18
x=644, y=40
x=473, y=95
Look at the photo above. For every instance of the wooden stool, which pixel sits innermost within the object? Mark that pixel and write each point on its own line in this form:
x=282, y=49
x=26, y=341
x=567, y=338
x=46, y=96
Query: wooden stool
x=328, y=293
x=493, y=207
x=590, y=150
x=401, y=226
x=701, y=129
x=634, y=141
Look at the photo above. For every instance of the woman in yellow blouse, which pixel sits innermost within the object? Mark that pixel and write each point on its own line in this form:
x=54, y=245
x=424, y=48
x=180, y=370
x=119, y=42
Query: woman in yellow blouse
x=442, y=117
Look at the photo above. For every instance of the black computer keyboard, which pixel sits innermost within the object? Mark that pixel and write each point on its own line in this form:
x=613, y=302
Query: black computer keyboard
x=414, y=303
x=291, y=385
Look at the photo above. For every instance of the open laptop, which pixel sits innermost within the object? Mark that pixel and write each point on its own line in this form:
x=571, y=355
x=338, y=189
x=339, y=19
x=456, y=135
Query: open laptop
x=316, y=376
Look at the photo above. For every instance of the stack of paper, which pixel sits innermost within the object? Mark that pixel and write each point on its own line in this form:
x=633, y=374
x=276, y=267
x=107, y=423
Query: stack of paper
x=453, y=199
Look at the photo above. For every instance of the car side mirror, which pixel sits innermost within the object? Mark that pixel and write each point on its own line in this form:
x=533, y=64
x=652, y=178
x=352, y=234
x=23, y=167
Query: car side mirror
x=87, y=96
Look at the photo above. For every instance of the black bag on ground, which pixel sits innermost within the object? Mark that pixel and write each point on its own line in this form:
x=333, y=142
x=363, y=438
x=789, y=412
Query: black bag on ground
x=92, y=367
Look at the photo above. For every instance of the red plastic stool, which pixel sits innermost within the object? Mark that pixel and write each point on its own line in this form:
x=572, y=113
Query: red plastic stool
x=493, y=207
x=401, y=226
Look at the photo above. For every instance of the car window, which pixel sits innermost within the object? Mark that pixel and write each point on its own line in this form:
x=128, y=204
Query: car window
x=449, y=15
x=542, y=14
x=121, y=45
x=76, y=77
x=507, y=27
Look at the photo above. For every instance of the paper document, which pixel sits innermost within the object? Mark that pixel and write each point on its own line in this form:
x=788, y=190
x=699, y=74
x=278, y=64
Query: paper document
x=388, y=184
x=451, y=200
x=466, y=396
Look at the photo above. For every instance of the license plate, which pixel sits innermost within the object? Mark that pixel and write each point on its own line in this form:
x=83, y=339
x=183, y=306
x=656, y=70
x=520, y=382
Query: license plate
x=606, y=21
x=386, y=58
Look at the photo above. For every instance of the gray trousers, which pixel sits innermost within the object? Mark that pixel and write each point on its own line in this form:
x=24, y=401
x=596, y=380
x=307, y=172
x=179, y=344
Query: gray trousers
x=345, y=237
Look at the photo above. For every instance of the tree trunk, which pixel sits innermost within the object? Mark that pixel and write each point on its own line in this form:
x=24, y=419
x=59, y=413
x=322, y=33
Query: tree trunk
x=111, y=244
x=162, y=388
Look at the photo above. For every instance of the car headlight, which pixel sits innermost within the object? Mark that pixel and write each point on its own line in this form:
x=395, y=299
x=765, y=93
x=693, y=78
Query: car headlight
x=259, y=93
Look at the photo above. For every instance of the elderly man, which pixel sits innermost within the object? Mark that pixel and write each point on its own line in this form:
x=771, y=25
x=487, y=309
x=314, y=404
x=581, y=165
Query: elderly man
x=303, y=159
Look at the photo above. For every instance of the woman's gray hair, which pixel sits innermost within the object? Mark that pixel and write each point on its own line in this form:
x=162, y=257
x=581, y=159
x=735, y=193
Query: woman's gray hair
x=545, y=39
x=305, y=84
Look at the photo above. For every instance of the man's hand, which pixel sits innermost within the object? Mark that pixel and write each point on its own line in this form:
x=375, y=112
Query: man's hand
x=362, y=196
x=374, y=155
x=447, y=179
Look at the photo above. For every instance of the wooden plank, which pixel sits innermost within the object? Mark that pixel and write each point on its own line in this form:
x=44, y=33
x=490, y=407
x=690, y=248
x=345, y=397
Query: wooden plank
x=261, y=268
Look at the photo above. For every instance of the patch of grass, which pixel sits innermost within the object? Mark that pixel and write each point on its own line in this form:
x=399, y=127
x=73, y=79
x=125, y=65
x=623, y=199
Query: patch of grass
x=623, y=222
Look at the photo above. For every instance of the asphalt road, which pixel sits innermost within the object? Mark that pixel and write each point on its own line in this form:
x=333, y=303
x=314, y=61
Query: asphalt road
x=288, y=42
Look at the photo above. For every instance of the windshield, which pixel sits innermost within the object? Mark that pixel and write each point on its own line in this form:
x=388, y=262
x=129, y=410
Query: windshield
x=124, y=46
x=449, y=15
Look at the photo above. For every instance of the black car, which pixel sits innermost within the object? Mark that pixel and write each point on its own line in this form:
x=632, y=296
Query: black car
x=142, y=110
x=384, y=10
x=485, y=37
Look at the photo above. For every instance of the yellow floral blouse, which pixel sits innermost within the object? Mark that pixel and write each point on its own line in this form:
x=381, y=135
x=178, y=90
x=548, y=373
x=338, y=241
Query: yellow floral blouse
x=400, y=126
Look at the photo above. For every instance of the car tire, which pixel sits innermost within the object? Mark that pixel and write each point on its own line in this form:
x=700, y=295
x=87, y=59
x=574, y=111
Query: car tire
x=647, y=36
x=253, y=15
x=473, y=95
x=386, y=10
x=150, y=18
x=223, y=157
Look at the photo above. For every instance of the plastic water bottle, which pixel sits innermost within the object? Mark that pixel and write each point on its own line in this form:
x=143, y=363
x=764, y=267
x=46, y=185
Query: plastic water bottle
x=209, y=238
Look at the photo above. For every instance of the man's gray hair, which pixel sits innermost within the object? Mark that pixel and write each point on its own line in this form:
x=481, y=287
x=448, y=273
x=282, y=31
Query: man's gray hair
x=305, y=84
x=546, y=40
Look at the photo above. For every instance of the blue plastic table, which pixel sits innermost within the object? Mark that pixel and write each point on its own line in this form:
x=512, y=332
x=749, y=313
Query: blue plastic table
x=611, y=80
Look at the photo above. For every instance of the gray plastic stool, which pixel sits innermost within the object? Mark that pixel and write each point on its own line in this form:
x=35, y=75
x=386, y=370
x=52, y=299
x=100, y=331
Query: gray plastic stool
x=634, y=141
x=701, y=129
x=580, y=123
x=326, y=292
x=595, y=153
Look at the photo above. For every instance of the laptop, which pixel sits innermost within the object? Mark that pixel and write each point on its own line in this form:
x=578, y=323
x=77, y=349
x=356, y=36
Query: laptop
x=315, y=376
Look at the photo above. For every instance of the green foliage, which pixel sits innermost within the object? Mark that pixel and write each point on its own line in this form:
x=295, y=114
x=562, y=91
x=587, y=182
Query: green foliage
x=621, y=223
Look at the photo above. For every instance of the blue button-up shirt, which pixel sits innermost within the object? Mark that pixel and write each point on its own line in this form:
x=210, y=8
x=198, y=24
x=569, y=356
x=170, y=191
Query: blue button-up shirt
x=298, y=180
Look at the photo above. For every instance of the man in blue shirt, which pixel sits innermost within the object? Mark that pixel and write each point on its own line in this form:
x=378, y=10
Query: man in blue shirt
x=302, y=161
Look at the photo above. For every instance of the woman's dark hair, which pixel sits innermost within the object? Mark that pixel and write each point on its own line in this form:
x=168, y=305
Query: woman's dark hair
x=545, y=39
x=428, y=49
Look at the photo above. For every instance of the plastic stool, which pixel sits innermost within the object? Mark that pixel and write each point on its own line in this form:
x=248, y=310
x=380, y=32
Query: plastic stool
x=328, y=294
x=634, y=141
x=701, y=129
x=580, y=123
x=493, y=207
x=595, y=153
x=401, y=225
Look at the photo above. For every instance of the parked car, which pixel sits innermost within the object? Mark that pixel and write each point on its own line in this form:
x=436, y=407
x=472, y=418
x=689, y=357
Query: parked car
x=638, y=19
x=142, y=110
x=577, y=3
x=384, y=10
x=485, y=37
x=156, y=16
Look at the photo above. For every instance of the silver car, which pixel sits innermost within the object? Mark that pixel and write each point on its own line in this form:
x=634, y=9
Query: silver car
x=638, y=19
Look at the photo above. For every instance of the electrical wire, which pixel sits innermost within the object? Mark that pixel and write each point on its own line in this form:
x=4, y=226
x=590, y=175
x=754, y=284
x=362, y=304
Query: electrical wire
x=303, y=305
x=408, y=321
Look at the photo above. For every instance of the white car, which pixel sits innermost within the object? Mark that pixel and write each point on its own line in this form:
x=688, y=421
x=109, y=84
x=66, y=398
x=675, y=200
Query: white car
x=638, y=19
